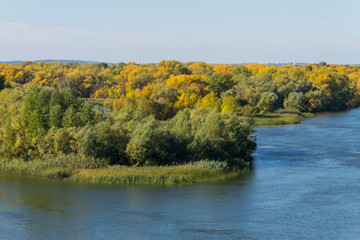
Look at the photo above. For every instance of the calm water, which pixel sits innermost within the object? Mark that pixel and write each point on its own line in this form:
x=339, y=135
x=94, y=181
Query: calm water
x=306, y=185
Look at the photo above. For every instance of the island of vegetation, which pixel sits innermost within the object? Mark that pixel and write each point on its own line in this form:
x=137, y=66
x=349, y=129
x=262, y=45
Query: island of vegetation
x=166, y=123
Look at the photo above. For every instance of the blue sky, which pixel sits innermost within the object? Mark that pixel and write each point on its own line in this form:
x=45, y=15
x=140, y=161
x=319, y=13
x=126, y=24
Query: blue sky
x=223, y=31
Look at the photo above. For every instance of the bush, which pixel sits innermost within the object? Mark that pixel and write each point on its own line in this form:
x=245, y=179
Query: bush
x=152, y=144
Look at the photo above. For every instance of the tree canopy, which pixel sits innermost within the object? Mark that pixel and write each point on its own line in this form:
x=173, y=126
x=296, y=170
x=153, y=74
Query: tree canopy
x=157, y=114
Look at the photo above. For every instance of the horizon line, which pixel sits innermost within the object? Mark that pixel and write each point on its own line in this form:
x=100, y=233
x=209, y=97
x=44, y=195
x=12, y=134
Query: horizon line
x=140, y=63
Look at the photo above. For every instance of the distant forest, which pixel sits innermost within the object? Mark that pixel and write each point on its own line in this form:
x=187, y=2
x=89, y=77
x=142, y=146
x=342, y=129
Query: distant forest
x=157, y=114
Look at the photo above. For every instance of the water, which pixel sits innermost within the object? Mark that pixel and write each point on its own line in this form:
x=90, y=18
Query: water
x=305, y=185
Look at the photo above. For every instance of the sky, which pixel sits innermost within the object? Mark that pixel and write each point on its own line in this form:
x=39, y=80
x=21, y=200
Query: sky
x=144, y=31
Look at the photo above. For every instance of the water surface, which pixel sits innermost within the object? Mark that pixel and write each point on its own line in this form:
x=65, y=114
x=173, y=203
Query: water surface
x=305, y=185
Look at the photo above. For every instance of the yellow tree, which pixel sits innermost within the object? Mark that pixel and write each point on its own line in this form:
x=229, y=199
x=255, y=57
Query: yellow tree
x=182, y=80
x=209, y=100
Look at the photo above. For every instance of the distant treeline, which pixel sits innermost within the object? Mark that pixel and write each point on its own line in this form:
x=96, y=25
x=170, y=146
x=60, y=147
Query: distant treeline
x=158, y=114
x=165, y=88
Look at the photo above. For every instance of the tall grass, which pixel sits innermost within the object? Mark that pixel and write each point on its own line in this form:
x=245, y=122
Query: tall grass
x=281, y=117
x=59, y=166
x=64, y=168
x=199, y=172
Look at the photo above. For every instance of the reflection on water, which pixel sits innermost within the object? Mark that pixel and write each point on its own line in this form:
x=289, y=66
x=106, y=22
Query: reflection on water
x=304, y=186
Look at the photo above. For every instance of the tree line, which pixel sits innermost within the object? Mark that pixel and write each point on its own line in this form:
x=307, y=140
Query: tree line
x=158, y=114
x=40, y=122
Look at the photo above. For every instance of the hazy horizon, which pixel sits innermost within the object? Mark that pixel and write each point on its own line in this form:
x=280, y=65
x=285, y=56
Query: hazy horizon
x=95, y=61
x=212, y=31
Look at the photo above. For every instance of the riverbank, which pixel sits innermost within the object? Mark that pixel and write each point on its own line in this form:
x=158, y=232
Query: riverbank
x=74, y=168
x=281, y=118
x=191, y=173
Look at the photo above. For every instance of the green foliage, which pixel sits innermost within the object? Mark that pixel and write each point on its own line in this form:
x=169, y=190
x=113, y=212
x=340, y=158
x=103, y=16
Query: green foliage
x=160, y=114
x=70, y=118
x=177, y=68
x=209, y=141
x=56, y=115
x=293, y=101
x=62, y=141
x=241, y=71
x=251, y=86
x=2, y=82
x=211, y=135
x=220, y=83
x=104, y=142
x=322, y=64
x=103, y=65
x=268, y=102
x=29, y=127
x=223, y=138
x=151, y=144
x=86, y=114
x=112, y=143
x=181, y=126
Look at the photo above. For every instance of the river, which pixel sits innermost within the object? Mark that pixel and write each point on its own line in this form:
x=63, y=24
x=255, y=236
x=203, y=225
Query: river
x=305, y=185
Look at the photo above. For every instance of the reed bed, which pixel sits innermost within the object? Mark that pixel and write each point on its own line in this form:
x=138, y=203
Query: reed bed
x=191, y=173
x=281, y=118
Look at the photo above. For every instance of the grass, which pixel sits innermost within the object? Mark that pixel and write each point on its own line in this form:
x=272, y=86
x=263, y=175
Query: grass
x=191, y=173
x=281, y=117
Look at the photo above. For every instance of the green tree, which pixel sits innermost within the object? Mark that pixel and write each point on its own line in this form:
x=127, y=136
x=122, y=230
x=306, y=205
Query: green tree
x=56, y=116
x=240, y=144
x=70, y=118
x=62, y=141
x=322, y=64
x=177, y=67
x=86, y=114
x=89, y=144
x=152, y=144
x=112, y=144
x=293, y=101
x=210, y=139
x=33, y=127
x=268, y=102
x=220, y=83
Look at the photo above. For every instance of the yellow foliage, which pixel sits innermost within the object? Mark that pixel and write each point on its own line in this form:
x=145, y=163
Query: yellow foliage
x=112, y=93
x=354, y=76
x=163, y=72
x=76, y=74
x=119, y=103
x=19, y=75
x=322, y=80
x=194, y=89
x=229, y=104
x=131, y=94
x=341, y=68
x=100, y=94
x=137, y=76
x=148, y=90
x=186, y=101
x=223, y=68
x=142, y=80
x=200, y=68
x=357, y=81
x=182, y=80
x=88, y=82
x=209, y=100
x=267, y=69
x=254, y=67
